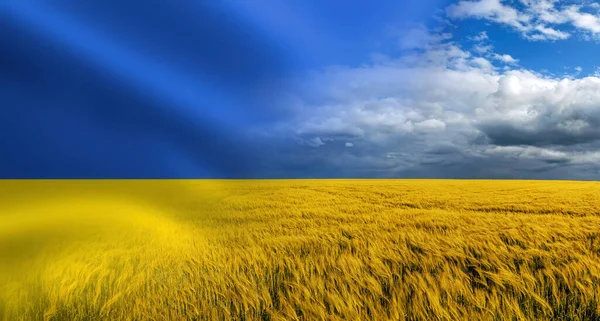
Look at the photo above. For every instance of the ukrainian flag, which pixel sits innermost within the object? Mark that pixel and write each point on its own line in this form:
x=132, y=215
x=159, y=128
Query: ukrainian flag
x=117, y=118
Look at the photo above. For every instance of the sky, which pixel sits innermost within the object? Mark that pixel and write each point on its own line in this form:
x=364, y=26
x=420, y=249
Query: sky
x=300, y=89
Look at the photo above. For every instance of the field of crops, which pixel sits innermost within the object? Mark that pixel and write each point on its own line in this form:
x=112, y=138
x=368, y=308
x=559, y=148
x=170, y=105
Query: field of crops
x=299, y=250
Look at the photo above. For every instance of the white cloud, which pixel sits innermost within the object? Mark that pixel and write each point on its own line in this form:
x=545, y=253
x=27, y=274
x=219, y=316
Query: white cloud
x=349, y=144
x=583, y=20
x=544, y=154
x=480, y=37
x=507, y=59
x=545, y=11
x=315, y=142
x=483, y=64
x=534, y=20
x=483, y=49
x=547, y=33
x=430, y=125
x=492, y=10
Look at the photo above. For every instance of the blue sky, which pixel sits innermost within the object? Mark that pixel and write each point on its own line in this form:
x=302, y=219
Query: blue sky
x=265, y=88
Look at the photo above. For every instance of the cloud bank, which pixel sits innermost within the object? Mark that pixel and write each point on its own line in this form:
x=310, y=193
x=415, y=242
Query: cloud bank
x=440, y=110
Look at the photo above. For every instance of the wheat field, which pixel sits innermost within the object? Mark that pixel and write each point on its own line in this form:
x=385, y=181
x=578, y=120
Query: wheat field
x=299, y=250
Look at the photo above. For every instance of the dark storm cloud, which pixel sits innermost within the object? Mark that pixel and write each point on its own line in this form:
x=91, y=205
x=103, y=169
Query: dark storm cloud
x=445, y=149
x=543, y=134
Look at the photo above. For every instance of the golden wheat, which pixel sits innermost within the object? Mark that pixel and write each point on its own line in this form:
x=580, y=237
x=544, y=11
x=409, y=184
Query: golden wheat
x=299, y=250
